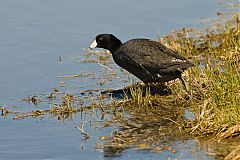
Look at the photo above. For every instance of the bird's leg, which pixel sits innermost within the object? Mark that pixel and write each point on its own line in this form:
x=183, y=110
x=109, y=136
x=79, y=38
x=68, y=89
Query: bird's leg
x=184, y=84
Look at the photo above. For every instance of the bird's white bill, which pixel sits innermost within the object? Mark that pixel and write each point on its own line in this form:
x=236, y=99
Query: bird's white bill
x=94, y=44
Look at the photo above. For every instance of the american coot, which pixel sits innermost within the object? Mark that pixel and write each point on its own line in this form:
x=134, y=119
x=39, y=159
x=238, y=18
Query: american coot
x=148, y=60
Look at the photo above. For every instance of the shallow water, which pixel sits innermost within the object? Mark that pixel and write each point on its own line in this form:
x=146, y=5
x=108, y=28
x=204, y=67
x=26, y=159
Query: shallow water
x=34, y=34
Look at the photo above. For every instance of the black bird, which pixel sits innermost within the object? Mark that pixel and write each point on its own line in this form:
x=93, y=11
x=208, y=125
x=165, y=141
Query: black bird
x=148, y=60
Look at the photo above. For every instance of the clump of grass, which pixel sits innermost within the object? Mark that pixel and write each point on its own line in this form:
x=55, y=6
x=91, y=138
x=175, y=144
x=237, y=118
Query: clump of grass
x=234, y=155
x=68, y=105
x=146, y=121
x=5, y=111
x=215, y=87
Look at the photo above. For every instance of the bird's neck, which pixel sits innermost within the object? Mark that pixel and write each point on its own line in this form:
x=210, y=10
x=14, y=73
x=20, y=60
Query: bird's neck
x=117, y=43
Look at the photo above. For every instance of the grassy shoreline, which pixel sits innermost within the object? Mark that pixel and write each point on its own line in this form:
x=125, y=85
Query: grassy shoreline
x=215, y=82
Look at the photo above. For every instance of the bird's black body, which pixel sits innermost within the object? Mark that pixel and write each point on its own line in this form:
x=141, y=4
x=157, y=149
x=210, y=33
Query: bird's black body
x=148, y=60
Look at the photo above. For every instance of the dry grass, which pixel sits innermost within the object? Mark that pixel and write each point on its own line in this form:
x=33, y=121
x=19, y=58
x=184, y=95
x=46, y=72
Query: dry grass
x=234, y=154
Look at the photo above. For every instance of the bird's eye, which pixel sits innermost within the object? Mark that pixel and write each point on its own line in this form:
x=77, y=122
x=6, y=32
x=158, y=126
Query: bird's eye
x=100, y=39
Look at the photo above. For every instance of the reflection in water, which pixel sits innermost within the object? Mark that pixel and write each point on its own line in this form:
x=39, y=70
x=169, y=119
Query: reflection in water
x=158, y=89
